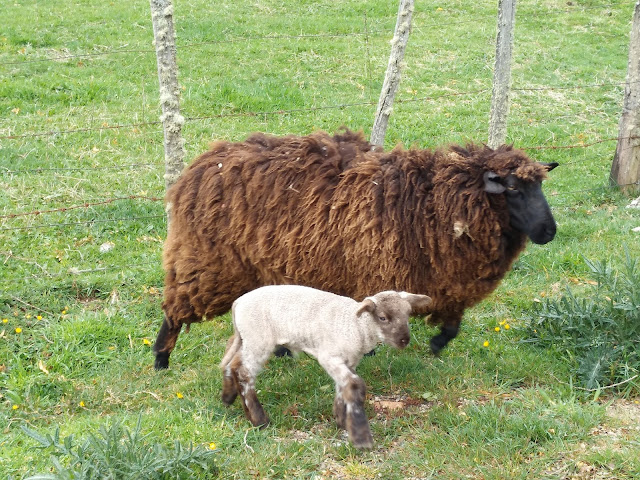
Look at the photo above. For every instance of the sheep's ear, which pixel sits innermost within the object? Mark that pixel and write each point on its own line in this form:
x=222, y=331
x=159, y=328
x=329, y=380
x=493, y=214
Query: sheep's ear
x=417, y=302
x=367, y=305
x=493, y=183
x=549, y=166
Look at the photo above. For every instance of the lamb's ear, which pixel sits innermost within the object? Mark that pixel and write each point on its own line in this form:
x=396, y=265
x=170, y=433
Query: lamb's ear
x=549, y=166
x=367, y=305
x=493, y=183
x=417, y=302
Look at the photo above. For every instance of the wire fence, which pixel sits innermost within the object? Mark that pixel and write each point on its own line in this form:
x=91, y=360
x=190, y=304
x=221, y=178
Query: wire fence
x=23, y=222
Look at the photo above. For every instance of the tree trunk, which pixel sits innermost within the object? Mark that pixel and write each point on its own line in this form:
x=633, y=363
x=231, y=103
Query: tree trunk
x=502, y=73
x=172, y=121
x=625, y=170
x=392, y=77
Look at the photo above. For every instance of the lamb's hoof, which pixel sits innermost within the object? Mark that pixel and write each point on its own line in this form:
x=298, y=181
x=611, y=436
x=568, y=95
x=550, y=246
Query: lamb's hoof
x=162, y=361
x=371, y=353
x=261, y=422
x=364, y=443
x=229, y=397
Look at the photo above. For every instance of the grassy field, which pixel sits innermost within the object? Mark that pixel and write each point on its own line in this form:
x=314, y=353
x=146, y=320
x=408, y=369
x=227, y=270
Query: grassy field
x=81, y=281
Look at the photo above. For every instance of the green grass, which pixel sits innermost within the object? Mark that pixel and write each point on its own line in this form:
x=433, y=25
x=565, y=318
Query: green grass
x=508, y=410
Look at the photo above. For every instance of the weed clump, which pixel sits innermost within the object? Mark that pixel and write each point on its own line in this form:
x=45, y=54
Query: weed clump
x=118, y=453
x=599, y=329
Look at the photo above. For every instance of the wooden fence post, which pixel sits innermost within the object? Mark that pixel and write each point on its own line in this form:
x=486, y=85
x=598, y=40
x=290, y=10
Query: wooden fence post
x=172, y=121
x=502, y=73
x=625, y=170
x=392, y=77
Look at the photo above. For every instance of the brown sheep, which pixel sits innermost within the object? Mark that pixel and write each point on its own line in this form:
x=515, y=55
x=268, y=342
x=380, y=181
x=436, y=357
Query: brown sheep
x=334, y=214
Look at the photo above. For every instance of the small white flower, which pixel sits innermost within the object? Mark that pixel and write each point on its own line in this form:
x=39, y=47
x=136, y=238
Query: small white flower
x=106, y=246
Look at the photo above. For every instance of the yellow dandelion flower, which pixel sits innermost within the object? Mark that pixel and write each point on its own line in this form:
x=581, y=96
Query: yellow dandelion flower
x=146, y=342
x=39, y=317
x=81, y=404
x=179, y=395
x=507, y=326
x=486, y=343
x=212, y=446
x=15, y=407
x=5, y=320
x=28, y=315
x=503, y=322
x=18, y=330
x=497, y=329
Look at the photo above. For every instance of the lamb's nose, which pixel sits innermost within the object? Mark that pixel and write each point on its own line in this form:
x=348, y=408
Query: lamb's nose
x=404, y=341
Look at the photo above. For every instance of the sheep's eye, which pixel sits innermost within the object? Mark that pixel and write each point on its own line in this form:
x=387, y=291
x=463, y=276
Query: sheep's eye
x=383, y=319
x=511, y=187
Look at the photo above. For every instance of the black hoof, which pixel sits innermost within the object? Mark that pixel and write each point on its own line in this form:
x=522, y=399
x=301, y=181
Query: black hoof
x=371, y=353
x=162, y=361
x=437, y=344
x=283, y=352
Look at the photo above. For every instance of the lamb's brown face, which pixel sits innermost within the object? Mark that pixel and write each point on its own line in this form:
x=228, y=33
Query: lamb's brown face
x=392, y=315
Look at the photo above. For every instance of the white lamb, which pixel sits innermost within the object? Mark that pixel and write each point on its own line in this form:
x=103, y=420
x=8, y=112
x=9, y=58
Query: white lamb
x=335, y=330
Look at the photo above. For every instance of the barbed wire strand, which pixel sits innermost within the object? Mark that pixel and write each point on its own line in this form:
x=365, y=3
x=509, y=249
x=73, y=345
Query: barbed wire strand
x=242, y=38
x=86, y=222
x=84, y=205
x=300, y=110
x=77, y=169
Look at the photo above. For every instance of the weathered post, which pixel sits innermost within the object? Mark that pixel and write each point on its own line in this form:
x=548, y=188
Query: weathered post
x=394, y=68
x=625, y=170
x=502, y=73
x=172, y=121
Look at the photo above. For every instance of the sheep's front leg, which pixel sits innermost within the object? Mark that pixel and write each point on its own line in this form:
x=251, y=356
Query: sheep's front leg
x=348, y=406
x=244, y=377
x=448, y=331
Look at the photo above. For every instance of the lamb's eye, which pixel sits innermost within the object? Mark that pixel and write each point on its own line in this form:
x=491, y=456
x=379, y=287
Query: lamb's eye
x=511, y=187
x=383, y=319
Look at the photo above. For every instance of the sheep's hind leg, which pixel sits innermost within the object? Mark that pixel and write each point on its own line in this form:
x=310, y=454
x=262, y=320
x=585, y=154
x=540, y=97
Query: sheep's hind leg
x=348, y=406
x=245, y=382
x=165, y=342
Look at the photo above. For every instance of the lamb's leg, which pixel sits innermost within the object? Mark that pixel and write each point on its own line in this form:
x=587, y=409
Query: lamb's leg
x=340, y=409
x=229, y=387
x=244, y=377
x=348, y=405
x=448, y=331
x=165, y=342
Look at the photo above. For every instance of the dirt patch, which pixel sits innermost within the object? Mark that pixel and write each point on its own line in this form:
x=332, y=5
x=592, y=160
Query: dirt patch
x=396, y=406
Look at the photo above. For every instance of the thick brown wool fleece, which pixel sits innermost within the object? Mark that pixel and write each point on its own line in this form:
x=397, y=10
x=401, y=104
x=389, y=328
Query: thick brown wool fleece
x=331, y=213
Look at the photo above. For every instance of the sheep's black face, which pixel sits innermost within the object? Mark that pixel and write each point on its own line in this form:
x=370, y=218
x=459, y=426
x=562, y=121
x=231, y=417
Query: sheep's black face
x=528, y=208
x=529, y=212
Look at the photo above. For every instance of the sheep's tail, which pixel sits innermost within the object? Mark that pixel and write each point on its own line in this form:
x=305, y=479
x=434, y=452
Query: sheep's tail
x=233, y=346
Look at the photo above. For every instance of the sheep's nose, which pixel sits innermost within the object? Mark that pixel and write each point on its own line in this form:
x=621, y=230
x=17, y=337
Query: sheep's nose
x=404, y=341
